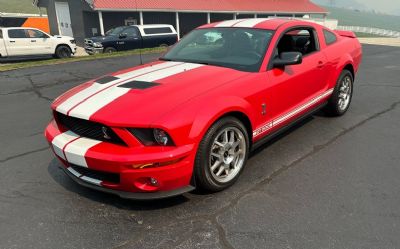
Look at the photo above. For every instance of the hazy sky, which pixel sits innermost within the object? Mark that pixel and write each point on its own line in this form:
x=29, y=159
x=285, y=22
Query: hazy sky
x=382, y=5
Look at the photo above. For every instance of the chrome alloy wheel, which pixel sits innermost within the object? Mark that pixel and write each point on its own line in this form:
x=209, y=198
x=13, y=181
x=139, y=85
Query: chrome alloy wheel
x=227, y=155
x=345, y=92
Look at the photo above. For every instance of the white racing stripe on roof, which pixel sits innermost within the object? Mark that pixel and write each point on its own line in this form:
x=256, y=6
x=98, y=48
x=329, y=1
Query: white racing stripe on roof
x=75, y=151
x=249, y=23
x=61, y=140
x=93, y=89
x=95, y=103
x=229, y=23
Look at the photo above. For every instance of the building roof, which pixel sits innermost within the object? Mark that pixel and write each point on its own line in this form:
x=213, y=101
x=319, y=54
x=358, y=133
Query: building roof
x=236, y=6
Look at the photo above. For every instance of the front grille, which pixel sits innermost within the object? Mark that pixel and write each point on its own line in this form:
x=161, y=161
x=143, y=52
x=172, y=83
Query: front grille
x=89, y=129
x=98, y=175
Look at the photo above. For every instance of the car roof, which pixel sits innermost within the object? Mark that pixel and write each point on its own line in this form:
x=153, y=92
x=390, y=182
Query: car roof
x=259, y=23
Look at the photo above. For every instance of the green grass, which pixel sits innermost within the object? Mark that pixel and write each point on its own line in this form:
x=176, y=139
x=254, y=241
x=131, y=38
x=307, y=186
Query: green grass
x=364, y=19
x=18, y=6
x=36, y=63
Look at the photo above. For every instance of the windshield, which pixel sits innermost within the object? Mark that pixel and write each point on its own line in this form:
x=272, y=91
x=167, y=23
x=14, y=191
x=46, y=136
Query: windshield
x=115, y=31
x=238, y=48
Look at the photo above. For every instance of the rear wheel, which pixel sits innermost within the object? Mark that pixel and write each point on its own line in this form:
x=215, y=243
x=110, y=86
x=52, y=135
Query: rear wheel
x=110, y=50
x=342, y=95
x=222, y=155
x=63, y=51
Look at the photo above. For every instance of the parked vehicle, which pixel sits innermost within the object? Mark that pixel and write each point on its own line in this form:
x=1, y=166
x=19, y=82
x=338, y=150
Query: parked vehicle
x=191, y=119
x=132, y=37
x=31, y=41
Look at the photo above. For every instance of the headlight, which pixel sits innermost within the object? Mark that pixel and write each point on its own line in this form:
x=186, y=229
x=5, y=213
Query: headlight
x=152, y=137
x=97, y=45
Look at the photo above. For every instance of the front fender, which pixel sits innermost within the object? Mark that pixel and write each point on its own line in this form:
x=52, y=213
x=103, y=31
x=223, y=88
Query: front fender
x=189, y=123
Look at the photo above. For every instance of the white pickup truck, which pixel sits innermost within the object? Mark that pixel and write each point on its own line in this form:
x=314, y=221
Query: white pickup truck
x=31, y=41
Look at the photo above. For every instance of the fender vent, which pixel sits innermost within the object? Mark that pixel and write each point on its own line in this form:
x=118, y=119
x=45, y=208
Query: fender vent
x=141, y=85
x=106, y=79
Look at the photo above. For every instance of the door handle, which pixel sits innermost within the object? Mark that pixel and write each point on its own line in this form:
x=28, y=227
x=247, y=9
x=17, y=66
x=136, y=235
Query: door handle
x=33, y=40
x=12, y=41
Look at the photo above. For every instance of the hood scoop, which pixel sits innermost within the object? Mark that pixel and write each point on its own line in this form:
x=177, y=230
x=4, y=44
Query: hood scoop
x=106, y=79
x=139, y=85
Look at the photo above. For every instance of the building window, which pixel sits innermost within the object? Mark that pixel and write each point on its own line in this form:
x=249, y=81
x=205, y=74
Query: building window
x=330, y=37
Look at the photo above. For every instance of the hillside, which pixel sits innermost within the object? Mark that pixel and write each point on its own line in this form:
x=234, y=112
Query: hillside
x=364, y=19
x=18, y=6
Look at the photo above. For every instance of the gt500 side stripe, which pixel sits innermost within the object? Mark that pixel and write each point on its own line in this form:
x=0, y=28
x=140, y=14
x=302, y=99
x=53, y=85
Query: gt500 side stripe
x=268, y=126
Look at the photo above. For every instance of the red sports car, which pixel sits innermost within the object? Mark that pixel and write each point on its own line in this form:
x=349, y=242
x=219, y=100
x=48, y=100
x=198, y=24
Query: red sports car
x=190, y=119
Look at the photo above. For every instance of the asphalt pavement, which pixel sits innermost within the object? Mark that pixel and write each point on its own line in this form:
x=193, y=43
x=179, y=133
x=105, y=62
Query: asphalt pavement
x=328, y=183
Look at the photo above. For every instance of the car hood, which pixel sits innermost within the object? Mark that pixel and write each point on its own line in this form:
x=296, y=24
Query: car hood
x=139, y=96
x=102, y=38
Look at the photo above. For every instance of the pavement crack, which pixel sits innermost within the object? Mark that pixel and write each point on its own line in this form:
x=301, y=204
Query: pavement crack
x=23, y=154
x=36, y=90
x=221, y=234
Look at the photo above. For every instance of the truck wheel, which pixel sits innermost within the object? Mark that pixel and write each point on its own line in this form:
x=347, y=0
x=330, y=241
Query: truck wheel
x=341, y=97
x=110, y=50
x=222, y=155
x=163, y=45
x=63, y=51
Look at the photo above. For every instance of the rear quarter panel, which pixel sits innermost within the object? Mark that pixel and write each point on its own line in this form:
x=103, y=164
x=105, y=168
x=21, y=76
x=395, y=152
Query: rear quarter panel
x=345, y=51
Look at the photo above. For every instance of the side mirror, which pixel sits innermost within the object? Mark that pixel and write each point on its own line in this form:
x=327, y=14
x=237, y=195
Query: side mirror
x=287, y=59
x=123, y=35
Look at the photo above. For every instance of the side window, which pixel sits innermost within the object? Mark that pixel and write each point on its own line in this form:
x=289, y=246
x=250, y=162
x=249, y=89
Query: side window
x=330, y=37
x=152, y=31
x=17, y=33
x=1, y=34
x=32, y=33
x=131, y=32
x=301, y=40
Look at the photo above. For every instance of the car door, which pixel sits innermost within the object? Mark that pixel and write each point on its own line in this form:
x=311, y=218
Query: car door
x=131, y=40
x=18, y=43
x=40, y=41
x=295, y=88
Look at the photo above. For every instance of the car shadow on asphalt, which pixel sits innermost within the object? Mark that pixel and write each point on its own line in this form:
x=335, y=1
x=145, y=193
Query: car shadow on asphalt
x=56, y=172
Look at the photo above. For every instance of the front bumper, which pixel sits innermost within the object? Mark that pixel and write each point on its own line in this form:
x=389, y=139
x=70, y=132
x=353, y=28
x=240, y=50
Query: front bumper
x=92, y=50
x=104, y=159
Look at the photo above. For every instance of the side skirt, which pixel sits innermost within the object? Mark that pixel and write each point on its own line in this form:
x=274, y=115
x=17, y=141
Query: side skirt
x=274, y=134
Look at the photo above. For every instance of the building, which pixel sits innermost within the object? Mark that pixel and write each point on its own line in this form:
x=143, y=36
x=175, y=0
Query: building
x=24, y=20
x=85, y=18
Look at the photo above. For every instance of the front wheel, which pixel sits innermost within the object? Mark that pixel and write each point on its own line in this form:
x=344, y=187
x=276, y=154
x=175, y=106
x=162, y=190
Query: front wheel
x=109, y=50
x=63, y=52
x=222, y=155
x=342, y=95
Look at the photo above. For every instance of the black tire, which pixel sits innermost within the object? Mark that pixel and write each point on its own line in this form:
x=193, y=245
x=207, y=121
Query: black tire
x=334, y=107
x=63, y=51
x=110, y=50
x=163, y=45
x=205, y=180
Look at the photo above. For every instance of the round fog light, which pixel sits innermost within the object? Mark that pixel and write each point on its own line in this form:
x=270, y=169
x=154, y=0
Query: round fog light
x=153, y=181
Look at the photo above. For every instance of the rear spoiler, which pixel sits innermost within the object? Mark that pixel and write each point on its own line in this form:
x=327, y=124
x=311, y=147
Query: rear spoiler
x=344, y=33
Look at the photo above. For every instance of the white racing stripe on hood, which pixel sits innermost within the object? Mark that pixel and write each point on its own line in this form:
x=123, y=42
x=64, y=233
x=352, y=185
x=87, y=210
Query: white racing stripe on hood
x=93, y=89
x=100, y=100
